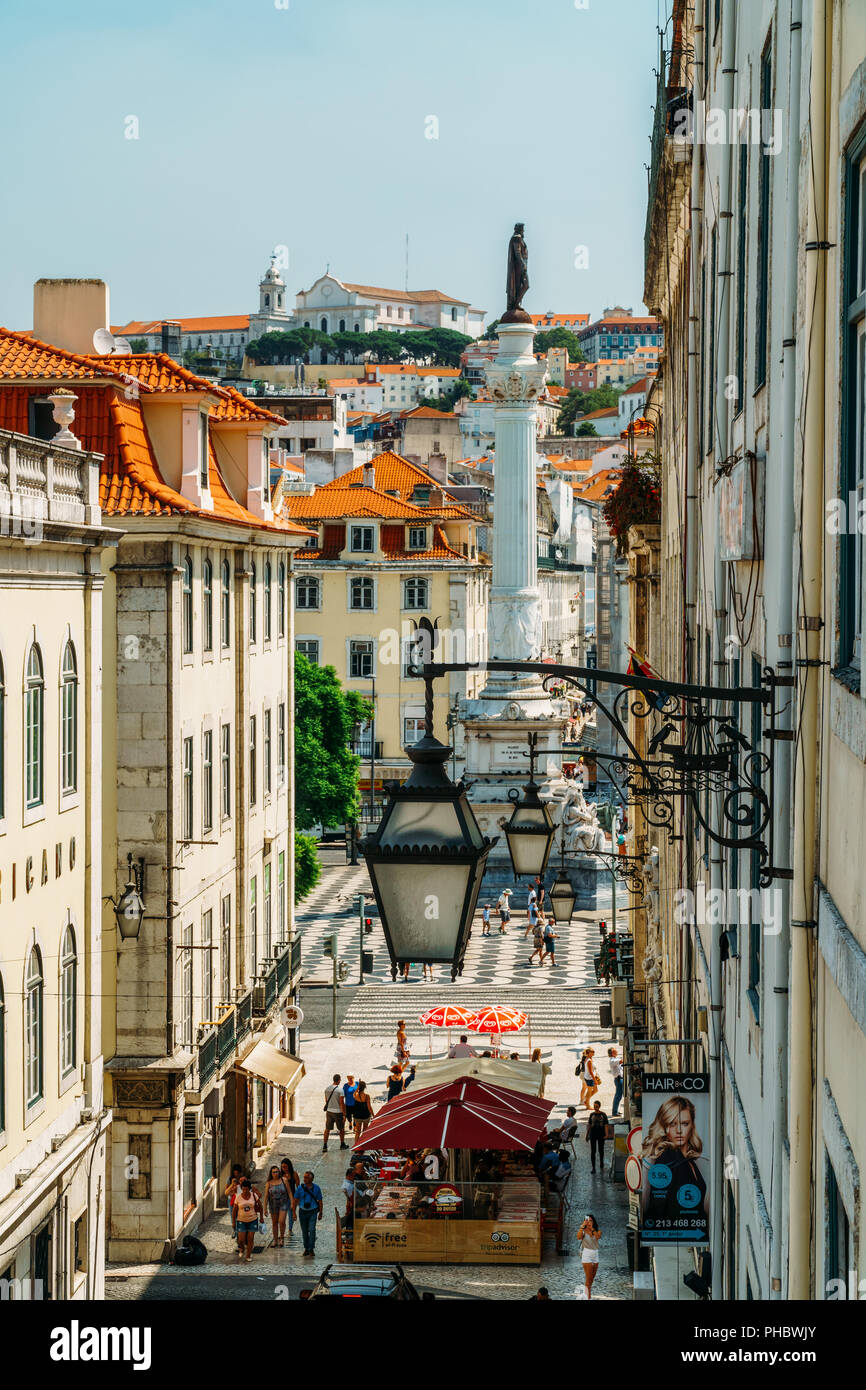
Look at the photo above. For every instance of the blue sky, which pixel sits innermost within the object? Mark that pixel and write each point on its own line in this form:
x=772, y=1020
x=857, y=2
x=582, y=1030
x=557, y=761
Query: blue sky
x=305, y=127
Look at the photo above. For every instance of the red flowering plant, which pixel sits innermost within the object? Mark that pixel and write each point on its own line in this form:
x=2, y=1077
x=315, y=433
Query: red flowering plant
x=636, y=499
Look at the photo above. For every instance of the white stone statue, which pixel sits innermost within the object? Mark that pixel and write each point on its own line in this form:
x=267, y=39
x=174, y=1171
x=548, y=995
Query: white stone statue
x=579, y=819
x=515, y=623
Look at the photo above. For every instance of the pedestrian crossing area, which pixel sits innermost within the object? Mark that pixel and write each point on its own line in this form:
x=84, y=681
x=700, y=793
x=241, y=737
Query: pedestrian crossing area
x=491, y=961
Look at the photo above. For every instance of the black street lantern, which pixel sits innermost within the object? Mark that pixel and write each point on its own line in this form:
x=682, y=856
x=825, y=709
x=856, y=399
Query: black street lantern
x=426, y=861
x=531, y=829
x=129, y=909
x=529, y=832
x=562, y=895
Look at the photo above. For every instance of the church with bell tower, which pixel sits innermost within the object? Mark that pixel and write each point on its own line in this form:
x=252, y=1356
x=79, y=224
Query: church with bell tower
x=272, y=316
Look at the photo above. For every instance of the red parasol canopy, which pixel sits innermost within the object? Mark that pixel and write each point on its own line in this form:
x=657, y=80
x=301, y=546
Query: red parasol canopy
x=467, y=1114
x=497, y=1019
x=459, y=1124
x=446, y=1016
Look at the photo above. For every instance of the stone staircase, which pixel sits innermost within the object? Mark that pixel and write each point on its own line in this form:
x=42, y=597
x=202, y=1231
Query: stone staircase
x=553, y=1013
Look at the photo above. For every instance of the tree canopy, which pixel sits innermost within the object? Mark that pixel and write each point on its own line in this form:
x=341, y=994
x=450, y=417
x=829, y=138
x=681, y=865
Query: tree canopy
x=560, y=338
x=326, y=772
x=439, y=346
x=579, y=402
x=308, y=870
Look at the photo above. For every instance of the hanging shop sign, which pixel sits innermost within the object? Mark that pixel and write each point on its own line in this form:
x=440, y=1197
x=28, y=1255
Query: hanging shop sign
x=676, y=1179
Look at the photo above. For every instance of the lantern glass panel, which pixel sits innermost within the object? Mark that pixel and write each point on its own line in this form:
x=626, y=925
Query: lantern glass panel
x=422, y=822
x=422, y=904
x=528, y=851
x=562, y=900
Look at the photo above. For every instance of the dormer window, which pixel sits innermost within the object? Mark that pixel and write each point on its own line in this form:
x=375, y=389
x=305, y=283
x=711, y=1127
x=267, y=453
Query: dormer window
x=203, y=452
x=417, y=537
x=362, y=539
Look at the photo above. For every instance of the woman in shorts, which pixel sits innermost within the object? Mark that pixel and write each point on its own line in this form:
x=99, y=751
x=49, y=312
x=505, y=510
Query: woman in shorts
x=248, y=1202
x=277, y=1203
x=589, y=1236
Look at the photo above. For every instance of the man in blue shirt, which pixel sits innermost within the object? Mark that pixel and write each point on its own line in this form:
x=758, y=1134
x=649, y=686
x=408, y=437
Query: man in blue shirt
x=308, y=1209
x=349, y=1088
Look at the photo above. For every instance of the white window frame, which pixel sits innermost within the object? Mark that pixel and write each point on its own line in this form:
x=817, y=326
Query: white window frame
x=350, y=643
x=362, y=549
x=307, y=580
x=299, y=640
x=414, y=580
x=415, y=531
x=364, y=579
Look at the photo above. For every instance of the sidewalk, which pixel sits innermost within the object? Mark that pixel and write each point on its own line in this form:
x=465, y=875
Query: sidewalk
x=301, y=1141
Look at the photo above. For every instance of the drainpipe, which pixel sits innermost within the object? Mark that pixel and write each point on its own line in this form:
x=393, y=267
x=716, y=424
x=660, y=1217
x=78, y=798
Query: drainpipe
x=692, y=431
x=171, y=586
x=809, y=649
x=782, y=656
x=721, y=446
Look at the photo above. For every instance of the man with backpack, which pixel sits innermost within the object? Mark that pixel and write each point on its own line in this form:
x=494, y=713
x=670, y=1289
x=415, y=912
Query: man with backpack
x=537, y=943
x=335, y=1113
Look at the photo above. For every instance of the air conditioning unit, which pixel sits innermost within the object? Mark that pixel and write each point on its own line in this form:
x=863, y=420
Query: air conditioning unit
x=193, y=1123
x=618, y=995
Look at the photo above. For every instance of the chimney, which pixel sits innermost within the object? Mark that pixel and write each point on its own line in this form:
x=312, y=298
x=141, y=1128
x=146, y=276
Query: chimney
x=67, y=313
x=369, y=475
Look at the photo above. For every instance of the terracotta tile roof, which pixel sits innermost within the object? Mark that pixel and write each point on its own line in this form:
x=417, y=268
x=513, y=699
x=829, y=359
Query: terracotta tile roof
x=557, y=320
x=392, y=473
x=593, y=489
x=393, y=542
x=109, y=421
x=638, y=386
x=554, y=390
x=411, y=296
x=227, y=323
x=426, y=412
x=599, y=414
x=331, y=501
x=157, y=372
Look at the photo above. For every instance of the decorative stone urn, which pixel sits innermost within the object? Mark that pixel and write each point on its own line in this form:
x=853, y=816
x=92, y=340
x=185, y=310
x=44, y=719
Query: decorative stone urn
x=63, y=415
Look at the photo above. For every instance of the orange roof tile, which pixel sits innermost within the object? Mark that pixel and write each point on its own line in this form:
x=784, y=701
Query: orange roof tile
x=226, y=323
x=415, y=296
x=392, y=473
x=557, y=320
x=599, y=414
x=426, y=412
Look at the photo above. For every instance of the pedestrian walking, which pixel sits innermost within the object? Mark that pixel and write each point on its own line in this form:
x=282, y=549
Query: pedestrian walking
x=504, y=909
x=395, y=1081
x=537, y=944
x=278, y=1200
x=531, y=911
x=290, y=1178
x=549, y=940
x=364, y=1111
x=485, y=920
x=231, y=1192
x=349, y=1099
x=335, y=1113
x=539, y=892
x=308, y=1209
x=425, y=968
x=589, y=1235
x=596, y=1133
x=615, y=1066
x=248, y=1201
x=589, y=1078
x=541, y=1297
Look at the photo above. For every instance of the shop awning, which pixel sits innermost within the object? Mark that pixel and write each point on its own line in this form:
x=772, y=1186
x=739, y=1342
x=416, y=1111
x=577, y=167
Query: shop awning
x=517, y=1076
x=270, y=1064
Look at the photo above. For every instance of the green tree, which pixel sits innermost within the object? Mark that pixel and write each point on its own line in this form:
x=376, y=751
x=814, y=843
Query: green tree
x=308, y=870
x=444, y=346
x=560, y=338
x=579, y=402
x=326, y=773
x=490, y=330
x=584, y=428
x=449, y=399
x=384, y=346
x=138, y=344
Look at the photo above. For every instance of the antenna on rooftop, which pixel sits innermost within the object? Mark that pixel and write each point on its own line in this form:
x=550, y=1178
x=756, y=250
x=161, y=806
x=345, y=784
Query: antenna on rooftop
x=107, y=345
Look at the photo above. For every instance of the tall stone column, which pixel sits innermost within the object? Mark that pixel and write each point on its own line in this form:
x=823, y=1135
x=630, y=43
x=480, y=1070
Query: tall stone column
x=515, y=380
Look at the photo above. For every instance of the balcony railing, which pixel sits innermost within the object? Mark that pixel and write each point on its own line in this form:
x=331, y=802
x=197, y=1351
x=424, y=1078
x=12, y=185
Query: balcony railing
x=41, y=482
x=362, y=747
x=220, y=1043
x=208, y=1056
x=226, y=1037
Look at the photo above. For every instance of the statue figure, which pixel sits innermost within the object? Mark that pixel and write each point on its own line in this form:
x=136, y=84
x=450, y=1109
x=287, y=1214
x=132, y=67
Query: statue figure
x=517, y=280
x=580, y=822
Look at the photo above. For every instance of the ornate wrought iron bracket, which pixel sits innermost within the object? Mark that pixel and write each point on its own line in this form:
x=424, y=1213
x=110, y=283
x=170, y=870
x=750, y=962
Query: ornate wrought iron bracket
x=683, y=747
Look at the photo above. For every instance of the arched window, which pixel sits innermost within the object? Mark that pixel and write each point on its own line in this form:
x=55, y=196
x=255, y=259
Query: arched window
x=33, y=1028
x=2, y=1058
x=342, y=325
x=187, y=604
x=34, y=729
x=281, y=611
x=306, y=323
x=207, y=605
x=267, y=301
x=323, y=324
x=307, y=591
x=226, y=605
x=2, y=747
x=254, y=579
x=267, y=596
x=69, y=721
x=68, y=1003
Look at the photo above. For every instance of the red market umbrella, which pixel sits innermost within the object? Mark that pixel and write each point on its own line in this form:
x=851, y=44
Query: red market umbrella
x=446, y=1016
x=497, y=1019
x=458, y=1123
x=478, y=1092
